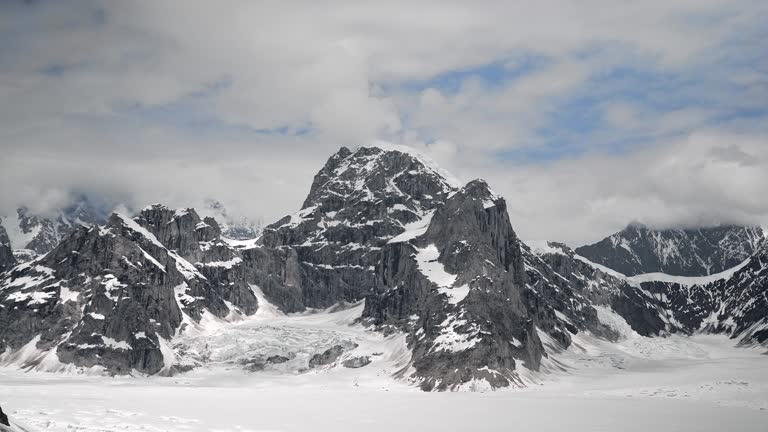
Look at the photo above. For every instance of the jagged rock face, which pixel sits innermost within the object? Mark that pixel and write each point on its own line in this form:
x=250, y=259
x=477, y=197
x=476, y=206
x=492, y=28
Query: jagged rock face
x=7, y=259
x=105, y=305
x=199, y=241
x=179, y=230
x=683, y=252
x=36, y=235
x=358, y=202
x=114, y=296
x=736, y=306
x=43, y=232
x=744, y=311
x=574, y=287
x=4, y=418
x=460, y=289
x=562, y=291
x=278, y=273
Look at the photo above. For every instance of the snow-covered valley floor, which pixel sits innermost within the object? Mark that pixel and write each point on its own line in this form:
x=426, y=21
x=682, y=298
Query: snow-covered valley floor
x=700, y=383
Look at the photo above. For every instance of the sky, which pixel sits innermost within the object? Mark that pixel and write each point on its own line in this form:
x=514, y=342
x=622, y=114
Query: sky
x=585, y=115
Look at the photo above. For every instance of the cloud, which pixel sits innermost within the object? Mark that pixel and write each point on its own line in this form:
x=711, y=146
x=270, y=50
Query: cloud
x=566, y=107
x=690, y=181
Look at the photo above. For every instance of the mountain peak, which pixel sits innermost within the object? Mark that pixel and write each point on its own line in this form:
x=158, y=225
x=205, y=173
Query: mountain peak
x=33, y=233
x=232, y=226
x=376, y=172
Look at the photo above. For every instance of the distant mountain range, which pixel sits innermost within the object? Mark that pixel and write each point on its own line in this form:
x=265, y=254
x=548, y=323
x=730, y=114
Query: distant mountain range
x=638, y=249
x=28, y=235
x=435, y=260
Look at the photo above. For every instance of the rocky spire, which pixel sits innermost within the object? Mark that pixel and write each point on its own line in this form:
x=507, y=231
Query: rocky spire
x=7, y=259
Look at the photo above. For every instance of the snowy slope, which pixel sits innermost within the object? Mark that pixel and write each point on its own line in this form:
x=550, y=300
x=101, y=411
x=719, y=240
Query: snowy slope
x=688, y=384
x=636, y=280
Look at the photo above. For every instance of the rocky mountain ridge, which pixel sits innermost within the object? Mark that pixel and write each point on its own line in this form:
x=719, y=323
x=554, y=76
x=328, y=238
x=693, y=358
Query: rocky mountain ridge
x=639, y=249
x=113, y=296
x=733, y=302
x=433, y=259
x=30, y=234
x=7, y=260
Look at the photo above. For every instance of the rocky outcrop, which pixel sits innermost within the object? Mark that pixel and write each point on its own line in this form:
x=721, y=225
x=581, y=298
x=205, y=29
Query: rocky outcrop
x=330, y=356
x=684, y=252
x=357, y=203
x=7, y=259
x=575, y=286
x=4, y=418
x=732, y=303
x=113, y=296
x=736, y=305
x=457, y=289
x=356, y=362
x=473, y=298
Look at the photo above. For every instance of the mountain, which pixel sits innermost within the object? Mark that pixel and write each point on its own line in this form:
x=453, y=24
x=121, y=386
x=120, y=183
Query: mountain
x=734, y=302
x=232, y=227
x=357, y=203
x=434, y=259
x=32, y=234
x=383, y=229
x=113, y=296
x=7, y=260
x=684, y=252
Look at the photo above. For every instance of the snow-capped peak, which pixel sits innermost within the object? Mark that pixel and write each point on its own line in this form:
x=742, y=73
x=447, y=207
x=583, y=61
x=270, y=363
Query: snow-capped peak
x=421, y=157
x=235, y=227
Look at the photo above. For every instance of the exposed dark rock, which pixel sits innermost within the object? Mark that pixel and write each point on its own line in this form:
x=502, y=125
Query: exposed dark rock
x=736, y=306
x=113, y=296
x=685, y=252
x=4, y=418
x=7, y=260
x=356, y=362
x=329, y=250
x=330, y=355
x=277, y=359
x=478, y=319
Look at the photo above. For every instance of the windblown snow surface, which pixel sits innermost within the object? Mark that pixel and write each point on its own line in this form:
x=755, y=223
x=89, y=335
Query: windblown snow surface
x=699, y=383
